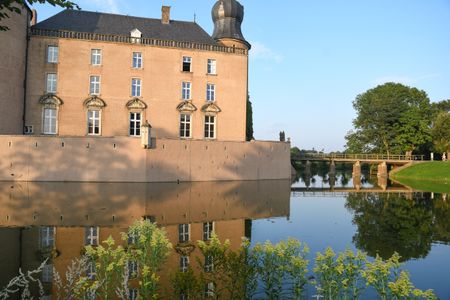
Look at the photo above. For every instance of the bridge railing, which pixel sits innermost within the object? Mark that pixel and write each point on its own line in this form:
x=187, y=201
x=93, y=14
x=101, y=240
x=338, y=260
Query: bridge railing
x=340, y=156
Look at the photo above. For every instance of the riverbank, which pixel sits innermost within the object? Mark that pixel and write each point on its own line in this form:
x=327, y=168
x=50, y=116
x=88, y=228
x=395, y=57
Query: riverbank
x=429, y=176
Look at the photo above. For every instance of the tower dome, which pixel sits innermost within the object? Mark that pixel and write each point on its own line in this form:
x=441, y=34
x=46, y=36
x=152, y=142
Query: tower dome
x=227, y=16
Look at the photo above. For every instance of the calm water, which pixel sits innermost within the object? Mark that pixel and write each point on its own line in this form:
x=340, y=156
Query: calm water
x=376, y=218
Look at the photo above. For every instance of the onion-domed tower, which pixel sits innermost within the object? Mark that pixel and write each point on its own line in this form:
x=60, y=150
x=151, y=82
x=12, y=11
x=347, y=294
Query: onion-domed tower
x=227, y=16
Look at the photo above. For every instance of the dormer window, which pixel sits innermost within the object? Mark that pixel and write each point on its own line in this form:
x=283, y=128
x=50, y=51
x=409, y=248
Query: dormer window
x=136, y=36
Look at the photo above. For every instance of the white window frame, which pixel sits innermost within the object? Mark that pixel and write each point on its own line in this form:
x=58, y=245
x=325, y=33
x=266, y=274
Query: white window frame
x=95, y=82
x=134, y=121
x=211, y=67
x=184, y=263
x=209, y=264
x=91, y=270
x=136, y=87
x=91, y=236
x=51, y=83
x=52, y=54
x=47, y=237
x=209, y=290
x=210, y=92
x=185, y=133
x=49, y=121
x=94, y=116
x=96, y=57
x=47, y=273
x=133, y=293
x=137, y=61
x=186, y=89
x=184, y=233
x=187, y=60
x=133, y=269
x=208, y=229
x=208, y=133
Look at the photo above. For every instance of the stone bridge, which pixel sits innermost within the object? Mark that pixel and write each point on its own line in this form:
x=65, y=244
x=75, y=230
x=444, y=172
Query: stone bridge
x=382, y=160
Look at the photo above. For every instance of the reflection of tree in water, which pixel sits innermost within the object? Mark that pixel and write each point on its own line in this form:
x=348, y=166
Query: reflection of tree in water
x=389, y=223
x=442, y=221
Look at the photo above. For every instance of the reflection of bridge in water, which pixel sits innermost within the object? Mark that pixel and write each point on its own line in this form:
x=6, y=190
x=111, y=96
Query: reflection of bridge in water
x=344, y=191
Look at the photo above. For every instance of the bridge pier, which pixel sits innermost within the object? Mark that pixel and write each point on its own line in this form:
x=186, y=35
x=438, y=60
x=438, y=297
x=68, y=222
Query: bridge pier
x=382, y=182
x=356, y=169
x=357, y=182
x=332, y=171
x=382, y=170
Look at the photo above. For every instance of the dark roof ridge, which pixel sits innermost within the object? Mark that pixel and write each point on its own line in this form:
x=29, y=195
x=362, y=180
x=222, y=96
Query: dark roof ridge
x=117, y=24
x=116, y=14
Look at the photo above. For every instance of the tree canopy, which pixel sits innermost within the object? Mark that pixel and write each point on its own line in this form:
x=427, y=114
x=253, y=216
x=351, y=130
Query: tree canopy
x=391, y=118
x=249, y=127
x=14, y=6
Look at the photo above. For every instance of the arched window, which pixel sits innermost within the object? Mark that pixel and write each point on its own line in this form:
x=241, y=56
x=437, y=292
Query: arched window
x=94, y=106
x=210, y=110
x=136, y=108
x=50, y=111
x=186, y=109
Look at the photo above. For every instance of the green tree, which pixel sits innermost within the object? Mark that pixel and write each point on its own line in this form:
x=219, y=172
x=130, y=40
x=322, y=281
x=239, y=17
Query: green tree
x=14, y=6
x=249, y=126
x=440, y=132
x=391, y=118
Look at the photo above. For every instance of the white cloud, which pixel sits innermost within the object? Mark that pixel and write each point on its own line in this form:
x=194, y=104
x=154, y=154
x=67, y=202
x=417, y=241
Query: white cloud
x=407, y=80
x=261, y=51
x=110, y=6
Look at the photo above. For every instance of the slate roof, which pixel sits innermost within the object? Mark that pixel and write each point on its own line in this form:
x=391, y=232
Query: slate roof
x=104, y=23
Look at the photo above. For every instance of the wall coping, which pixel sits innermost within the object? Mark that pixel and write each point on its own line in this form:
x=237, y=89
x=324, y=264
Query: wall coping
x=135, y=41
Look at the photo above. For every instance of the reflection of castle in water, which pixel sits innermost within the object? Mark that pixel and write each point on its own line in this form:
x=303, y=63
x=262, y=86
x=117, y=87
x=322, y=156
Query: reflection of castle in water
x=59, y=219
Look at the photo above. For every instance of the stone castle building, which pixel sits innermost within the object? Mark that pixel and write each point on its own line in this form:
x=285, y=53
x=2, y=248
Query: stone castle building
x=147, y=100
x=96, y=74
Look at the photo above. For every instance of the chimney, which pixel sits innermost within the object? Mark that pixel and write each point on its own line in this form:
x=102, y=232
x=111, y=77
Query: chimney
x=33, y=17
x=165, y=15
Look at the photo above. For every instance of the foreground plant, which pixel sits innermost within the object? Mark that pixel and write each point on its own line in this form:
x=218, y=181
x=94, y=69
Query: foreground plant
x=392, y=283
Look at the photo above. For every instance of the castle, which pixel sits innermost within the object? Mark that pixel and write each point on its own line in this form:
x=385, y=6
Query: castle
x=95, y=80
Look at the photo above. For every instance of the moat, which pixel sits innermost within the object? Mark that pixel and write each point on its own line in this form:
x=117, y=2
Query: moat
x=67, y=216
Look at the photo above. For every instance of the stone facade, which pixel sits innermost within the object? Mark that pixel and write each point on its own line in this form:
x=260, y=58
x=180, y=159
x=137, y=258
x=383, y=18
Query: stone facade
x=12, y=71
x=161, y=78
x=122, y=159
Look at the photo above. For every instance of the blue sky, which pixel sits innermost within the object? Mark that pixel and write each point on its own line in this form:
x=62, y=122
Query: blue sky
x=311, y=58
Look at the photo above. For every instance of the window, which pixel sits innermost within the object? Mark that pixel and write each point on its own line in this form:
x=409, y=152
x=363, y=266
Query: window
x=209, y=264
x=209, y=290
x=210, y=127
x=136, y=85
x=28, y=129
x=94, y=121
x=91, y=236
x=133, y=294
x=185, y=126
x=208, y=229
x=135, y=124
x=47, y=237
x=186, y=91
x=96, y=57
x=212, y=66
x=187, y=63
x=183, y=233
x=210, y=92
x=132, y=238
x=50, y=121
x=184, y=263
x=52, y=54
x=94, y=86
x=51, y=83
x=90, y=272
x=47, y=273
x=137, y=60
x=132, y=269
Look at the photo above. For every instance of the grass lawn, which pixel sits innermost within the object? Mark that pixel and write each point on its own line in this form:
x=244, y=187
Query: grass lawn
x=430, y=176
